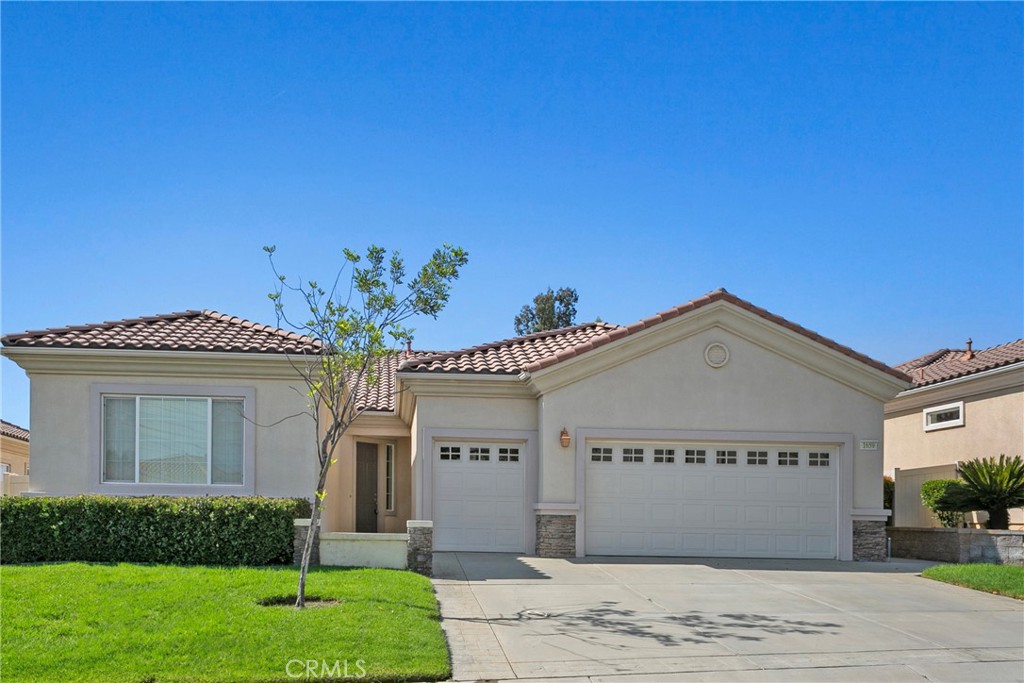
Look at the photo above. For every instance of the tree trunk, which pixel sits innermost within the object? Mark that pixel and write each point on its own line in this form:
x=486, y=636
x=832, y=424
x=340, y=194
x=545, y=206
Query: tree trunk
x=998, y=519
x=311, y=535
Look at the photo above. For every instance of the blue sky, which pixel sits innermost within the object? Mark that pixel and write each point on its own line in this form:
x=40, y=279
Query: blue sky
x=856, y=168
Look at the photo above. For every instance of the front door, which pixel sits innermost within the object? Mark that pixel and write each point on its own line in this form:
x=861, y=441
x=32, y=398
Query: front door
x=366, y=488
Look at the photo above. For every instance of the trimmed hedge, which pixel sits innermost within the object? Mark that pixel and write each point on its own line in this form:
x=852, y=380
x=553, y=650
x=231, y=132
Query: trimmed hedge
x=157, y=529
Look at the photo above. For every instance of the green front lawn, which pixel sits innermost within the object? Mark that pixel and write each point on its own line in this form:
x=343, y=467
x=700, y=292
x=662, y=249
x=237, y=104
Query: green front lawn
x=992, y=578
x=161, y=624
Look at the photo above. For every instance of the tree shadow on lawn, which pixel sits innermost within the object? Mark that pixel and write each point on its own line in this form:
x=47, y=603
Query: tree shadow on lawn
x=693, y=628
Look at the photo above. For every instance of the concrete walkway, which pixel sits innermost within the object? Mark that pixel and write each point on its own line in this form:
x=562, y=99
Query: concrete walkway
x=626, y=619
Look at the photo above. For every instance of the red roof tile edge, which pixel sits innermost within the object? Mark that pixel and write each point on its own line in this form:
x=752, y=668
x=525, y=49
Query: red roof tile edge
x=13, y=431
x=26, y=338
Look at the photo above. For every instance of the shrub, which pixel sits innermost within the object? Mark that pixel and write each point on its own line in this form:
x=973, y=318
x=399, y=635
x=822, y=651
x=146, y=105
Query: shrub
x=208, y=530
x=994, y=486
x=947, y=500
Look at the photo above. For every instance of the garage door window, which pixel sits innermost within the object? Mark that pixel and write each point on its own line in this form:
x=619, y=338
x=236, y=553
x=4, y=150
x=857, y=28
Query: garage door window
x=477, y=454
x=789, y=459
x=634, y=455
x=817, y=459
x=695, y=456
x=600, y=455
x=757, y=457
x=451, y=452
x=664, y=455
x=508, y=455
x=725, y=457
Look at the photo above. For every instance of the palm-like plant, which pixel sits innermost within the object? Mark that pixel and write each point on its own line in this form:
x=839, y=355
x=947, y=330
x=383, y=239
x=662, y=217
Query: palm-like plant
x=995, y=486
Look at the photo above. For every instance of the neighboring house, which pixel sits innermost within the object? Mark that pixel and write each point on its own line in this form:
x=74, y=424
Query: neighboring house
x=14, y=451
x=13, y=458
x=712, y=429
x=963, y=404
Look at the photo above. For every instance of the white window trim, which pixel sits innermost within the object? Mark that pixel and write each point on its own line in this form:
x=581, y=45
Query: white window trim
x=959, y=405
x=97, y=485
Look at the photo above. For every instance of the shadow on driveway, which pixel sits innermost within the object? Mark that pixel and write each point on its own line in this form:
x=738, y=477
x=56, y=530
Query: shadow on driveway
x=686, y=628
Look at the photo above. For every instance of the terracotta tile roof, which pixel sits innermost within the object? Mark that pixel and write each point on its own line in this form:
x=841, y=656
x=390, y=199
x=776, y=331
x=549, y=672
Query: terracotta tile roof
x=945, y=364
x=512, y=356
x=14, y=431
x=381, y=395
x=185, y=331
x=542, y=350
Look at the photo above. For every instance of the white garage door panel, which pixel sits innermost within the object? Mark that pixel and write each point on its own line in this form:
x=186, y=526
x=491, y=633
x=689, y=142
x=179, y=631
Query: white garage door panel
x=479, y=497
x=738, y=509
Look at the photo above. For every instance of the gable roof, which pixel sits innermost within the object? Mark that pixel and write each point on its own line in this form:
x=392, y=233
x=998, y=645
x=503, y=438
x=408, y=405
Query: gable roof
x=184, y=331
x=14, y=431
x=544, y=349
x=511, y=356
x=946, y=364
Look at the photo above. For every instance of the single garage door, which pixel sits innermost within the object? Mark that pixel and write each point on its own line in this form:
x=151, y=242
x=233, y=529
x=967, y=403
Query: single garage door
x=711, y=500
x=479, y=497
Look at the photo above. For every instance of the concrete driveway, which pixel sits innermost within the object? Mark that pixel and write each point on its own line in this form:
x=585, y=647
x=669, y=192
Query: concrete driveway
x=626, y=619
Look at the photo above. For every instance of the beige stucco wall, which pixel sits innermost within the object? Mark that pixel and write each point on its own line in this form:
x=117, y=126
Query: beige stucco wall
x=340, y=510
x=993, y=425
x=14, y=452
x=448, y=412
x=674, y=388
x=62, y=437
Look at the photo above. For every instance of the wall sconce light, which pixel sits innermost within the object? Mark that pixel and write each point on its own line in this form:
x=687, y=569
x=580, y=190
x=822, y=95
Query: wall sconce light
x=563, y=438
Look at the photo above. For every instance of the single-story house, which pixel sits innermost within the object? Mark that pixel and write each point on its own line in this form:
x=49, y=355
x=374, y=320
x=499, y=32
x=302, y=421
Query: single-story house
x=963, y=404
x=714, y=428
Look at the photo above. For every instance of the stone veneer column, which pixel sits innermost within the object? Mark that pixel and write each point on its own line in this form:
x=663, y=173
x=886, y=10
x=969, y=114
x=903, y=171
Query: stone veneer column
x=301, y=529
x=869, y=540
x=556, y=534
x=420, y=549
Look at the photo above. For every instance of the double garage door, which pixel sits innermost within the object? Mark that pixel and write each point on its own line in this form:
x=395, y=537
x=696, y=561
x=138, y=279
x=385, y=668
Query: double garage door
x=708, y=500
x=664, y=499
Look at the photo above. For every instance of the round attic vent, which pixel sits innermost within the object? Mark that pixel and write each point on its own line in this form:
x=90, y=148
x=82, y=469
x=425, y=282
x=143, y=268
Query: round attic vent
x=716, y=354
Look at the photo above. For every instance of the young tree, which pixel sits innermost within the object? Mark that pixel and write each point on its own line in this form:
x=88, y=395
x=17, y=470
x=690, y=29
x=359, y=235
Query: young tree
x=361, y=317
x=550, y=311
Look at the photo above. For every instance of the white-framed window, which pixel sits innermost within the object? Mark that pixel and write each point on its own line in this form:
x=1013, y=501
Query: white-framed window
x=817, y=460
x=789, y=459
x=451, y=452
x=5, y=468
x=632, y=455
x=695, y=456
x=757, y=457
x=479, y=454
x=944, y=416
x=155, y=439
x=725, y=457
x=508, y=455
x=600, y=454
x=389, y=477
x=665, y=456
